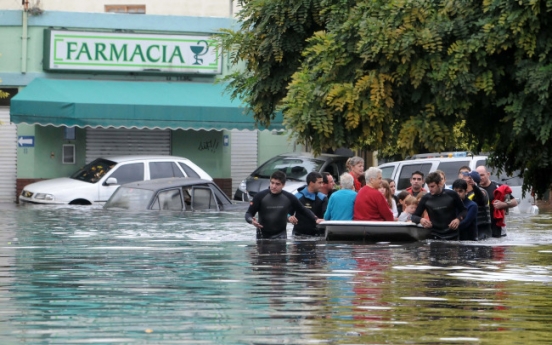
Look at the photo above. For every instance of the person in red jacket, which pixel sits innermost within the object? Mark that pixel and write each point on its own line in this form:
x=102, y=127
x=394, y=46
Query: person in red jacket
x=370, y=204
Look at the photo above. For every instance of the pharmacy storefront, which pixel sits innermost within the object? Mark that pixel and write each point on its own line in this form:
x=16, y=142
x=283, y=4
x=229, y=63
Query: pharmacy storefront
x=105, y=93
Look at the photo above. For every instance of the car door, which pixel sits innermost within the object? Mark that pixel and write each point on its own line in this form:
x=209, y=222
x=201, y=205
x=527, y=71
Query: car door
x=164, y=169
x=124, y=173
x=169, y=200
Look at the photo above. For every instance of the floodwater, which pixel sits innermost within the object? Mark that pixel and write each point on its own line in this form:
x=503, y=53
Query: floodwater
x=80, y=275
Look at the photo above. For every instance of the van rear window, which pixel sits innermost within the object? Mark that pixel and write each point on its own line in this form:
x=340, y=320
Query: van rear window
x=406, y=173
x=451, y=169
x=513, y=180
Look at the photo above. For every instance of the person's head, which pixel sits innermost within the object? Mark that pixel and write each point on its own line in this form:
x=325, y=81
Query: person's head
x=463, y=169
x=410, y=204
x=443, y=177
x=277, y=181
x=355, y=165
x=417, y=180
x=392, y=185
x=346, y=181
x=484, y=176
x=472, y=178
x=460, y=186
x=373, y=177
x=433, y=181
x=328, y=183
x=314, y=181
x=386, y=191
x=403, y=195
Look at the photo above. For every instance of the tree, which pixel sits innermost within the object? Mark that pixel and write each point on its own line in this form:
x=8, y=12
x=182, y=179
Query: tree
x=400, y=75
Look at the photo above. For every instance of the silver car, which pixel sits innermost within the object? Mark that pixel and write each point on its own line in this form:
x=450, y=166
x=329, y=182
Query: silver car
x=296, y=166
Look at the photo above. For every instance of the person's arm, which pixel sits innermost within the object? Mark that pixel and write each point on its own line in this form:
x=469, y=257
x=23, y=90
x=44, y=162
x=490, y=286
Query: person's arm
x=298, y=207
x=417, y=215
x=252, y=210
x=394, y=210
x=502, y=205
x=384, y=210
x=479, y=198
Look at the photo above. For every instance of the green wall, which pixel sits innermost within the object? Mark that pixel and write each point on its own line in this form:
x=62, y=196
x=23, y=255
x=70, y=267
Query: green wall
x=44, y=160
x=272, y=143
x=204, y=148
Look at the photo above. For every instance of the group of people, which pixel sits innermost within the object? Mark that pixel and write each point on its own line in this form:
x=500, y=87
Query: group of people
x=472, y=208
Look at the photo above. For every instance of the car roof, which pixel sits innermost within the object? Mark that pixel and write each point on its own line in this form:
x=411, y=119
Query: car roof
x=168, y=182
x=434, y=159
x=129, y=158
x=310, y=155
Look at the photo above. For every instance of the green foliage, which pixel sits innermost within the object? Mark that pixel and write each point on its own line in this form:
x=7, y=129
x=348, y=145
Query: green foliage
x=400, y=76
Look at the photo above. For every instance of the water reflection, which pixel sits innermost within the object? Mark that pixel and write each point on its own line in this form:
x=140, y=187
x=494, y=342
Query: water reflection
x=72, y=275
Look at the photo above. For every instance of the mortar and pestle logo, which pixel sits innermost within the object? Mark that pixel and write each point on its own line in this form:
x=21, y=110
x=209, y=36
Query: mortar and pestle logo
x=199, y=50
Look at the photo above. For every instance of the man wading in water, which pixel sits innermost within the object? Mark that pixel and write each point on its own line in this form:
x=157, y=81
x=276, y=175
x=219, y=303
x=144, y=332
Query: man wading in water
x=274, y=205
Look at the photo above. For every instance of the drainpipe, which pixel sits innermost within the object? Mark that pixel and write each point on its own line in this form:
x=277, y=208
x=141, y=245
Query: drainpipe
x=24, y=39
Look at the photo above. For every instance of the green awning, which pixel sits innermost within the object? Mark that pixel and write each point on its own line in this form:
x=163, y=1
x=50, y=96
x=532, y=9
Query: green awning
x=130, y=104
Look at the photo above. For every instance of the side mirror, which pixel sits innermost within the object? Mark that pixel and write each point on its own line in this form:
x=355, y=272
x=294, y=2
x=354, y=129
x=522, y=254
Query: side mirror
x=110, y=181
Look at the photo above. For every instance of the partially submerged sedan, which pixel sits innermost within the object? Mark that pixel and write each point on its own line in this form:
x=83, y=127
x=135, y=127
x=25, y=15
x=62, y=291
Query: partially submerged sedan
x=173, y=194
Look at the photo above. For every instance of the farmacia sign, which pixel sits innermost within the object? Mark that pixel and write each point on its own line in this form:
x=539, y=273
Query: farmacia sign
x=127, y=52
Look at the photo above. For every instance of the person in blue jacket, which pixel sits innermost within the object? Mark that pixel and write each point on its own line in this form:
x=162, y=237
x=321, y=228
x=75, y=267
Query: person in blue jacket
x=468, y=226
x=311, y=197
x=342, y=202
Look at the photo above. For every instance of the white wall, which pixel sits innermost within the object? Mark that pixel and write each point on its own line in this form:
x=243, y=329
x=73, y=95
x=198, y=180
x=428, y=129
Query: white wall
x=196, y=8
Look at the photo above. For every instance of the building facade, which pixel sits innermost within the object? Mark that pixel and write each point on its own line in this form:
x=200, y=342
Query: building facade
x=89, y=83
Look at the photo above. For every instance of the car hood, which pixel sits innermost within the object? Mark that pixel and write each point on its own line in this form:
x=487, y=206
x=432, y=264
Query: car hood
x=254, y=185
x=56, y=185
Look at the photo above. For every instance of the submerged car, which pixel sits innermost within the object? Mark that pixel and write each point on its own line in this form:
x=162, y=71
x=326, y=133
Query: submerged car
x=173, y=194
x=296, y=166
x=96, y=181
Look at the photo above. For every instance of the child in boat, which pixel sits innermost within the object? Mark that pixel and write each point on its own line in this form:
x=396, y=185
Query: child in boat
x=410, y=204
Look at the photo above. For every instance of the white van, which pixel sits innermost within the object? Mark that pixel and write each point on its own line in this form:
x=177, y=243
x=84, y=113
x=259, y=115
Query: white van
x=450, y=163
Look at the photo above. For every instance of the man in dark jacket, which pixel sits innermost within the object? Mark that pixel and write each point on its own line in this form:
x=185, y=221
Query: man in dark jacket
x=468, y=226
x=311, y=197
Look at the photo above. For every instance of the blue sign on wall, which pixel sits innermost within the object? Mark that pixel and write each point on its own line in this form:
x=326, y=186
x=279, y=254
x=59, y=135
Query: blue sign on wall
x=25, y=141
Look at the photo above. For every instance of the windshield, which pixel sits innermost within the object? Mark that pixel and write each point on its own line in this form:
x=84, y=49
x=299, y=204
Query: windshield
x=295, y=167
x=93, y=171
x=130, y=199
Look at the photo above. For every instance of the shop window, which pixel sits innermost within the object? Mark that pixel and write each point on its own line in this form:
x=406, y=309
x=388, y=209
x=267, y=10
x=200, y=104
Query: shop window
x=130, y=9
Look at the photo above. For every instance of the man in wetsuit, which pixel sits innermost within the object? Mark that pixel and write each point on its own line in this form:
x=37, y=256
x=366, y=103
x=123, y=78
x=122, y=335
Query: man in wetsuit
x=311, y=197
x=274, y=205
x=444, y=207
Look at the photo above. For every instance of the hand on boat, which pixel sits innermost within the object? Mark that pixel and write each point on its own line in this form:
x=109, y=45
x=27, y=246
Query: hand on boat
x=426, y=223
x=454, y=224
x=293, y=220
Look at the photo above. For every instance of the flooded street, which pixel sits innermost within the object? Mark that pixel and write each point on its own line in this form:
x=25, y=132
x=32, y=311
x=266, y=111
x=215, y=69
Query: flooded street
x=73, y=275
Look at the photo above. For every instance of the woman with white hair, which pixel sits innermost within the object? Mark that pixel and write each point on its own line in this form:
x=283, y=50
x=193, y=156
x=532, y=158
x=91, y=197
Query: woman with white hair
x=342, y=202
x=370, y=204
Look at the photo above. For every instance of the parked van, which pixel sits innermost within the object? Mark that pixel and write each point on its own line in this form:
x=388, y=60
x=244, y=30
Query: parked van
x=450, y=163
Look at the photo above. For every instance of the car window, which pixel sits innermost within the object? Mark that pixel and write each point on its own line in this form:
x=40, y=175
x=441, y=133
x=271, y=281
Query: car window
x=94, y=171
x=295, y=167
x=168, y=200
x=189, y=171
x=129, y=173
x=451, y=169
x=164, y=169
x=406, y=173
x=387, y=172
x=130, y=198
x=503, y=178
x=202, y=199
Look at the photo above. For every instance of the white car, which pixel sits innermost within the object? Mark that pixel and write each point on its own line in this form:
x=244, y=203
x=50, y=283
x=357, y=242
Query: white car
x=95, y=182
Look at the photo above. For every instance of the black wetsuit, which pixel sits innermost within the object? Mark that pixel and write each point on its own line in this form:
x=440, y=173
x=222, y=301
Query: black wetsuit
x=273, y=212
x=442, y=209
x=317, y=203
x=479, y=196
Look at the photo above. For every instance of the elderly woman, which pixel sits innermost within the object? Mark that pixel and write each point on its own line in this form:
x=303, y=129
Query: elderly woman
x=341, y=203
x=355, y=165
x=370, y=204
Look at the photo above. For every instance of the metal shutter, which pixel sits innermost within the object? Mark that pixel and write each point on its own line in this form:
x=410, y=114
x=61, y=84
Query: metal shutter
x=101, y=142
x=244, y=156
x=8, y=156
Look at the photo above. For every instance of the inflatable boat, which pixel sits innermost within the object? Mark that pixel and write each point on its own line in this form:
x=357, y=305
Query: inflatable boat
x=373, y=231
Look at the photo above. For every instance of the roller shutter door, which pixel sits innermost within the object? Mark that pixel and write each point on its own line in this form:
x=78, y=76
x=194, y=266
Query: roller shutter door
x=8, y=156
x=244, y=156
x=101, y=142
